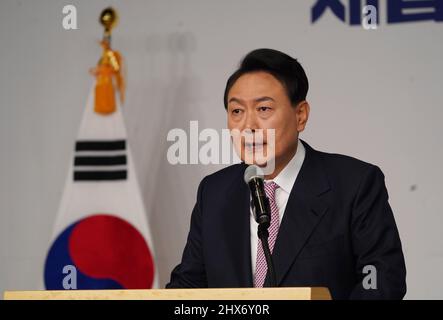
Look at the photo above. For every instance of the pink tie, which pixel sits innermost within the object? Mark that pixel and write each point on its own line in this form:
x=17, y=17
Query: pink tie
x=261, y=266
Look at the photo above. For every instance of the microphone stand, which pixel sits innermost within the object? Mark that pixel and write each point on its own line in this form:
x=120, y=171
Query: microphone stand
x=263, y=234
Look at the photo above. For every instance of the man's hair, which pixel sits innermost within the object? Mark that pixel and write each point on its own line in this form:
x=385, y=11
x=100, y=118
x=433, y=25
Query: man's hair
x=283, y=67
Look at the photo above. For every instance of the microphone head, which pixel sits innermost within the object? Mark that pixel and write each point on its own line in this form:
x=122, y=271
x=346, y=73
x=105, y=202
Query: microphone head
x=253, y=171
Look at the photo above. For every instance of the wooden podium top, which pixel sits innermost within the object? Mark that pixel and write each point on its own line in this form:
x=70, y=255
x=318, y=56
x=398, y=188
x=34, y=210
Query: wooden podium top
x=176, y=294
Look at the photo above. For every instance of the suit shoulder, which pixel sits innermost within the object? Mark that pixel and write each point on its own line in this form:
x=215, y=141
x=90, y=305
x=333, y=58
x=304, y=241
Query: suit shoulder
x=226, y=175
x=348, y=174
x=214, y=187
x=352, y=165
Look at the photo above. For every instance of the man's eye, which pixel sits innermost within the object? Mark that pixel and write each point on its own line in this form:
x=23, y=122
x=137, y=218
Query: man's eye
x=263, y=108
x=236, y=111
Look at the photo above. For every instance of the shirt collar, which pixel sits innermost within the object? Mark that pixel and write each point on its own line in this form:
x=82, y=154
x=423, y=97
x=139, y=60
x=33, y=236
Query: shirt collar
x=286, y=178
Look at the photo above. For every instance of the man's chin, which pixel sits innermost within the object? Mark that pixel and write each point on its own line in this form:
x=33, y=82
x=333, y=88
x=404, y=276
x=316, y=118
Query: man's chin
x=251, y=158
x=261, y=161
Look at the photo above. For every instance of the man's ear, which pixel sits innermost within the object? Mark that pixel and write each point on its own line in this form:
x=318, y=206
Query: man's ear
x=302, y=111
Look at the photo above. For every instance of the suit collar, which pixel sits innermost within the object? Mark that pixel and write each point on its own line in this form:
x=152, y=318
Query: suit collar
x=286, y=178
x=304, y=210
x=312, y=175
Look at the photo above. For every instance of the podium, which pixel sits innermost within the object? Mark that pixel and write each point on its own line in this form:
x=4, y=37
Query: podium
x=285, y=293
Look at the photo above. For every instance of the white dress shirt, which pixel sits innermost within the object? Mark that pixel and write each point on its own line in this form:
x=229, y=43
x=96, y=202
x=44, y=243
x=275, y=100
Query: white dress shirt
x=285, y=180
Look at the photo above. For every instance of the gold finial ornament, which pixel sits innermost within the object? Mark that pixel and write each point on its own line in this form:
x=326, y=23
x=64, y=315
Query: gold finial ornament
x=110, y=77
x=108, y=19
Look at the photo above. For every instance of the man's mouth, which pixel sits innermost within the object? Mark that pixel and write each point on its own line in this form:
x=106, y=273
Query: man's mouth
x=254, y=145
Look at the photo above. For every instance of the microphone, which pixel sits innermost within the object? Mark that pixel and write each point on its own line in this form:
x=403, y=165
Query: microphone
x=254, y=178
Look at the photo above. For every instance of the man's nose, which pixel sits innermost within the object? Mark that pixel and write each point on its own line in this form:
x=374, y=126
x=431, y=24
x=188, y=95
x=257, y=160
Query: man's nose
x=251, y=122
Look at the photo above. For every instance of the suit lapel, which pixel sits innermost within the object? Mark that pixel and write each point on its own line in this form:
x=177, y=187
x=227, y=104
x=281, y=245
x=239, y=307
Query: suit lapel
x=303, y=212
x=237, y=230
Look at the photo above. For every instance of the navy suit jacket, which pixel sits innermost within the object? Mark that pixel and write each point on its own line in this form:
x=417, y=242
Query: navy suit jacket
x=336, y=222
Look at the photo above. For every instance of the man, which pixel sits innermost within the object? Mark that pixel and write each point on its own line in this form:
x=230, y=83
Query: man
x=331, y=223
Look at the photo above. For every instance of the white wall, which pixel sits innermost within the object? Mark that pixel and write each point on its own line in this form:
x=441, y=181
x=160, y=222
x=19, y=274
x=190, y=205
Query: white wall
x=375, y=95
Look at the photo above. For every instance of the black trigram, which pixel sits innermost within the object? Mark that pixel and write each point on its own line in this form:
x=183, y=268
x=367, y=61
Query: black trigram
x=100, y=160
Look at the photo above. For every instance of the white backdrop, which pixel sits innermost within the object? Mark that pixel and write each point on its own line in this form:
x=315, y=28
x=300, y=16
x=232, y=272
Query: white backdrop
x=375, y=95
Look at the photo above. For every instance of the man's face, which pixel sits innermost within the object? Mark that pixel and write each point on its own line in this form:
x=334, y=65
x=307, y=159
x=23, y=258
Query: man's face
x=257, y=100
